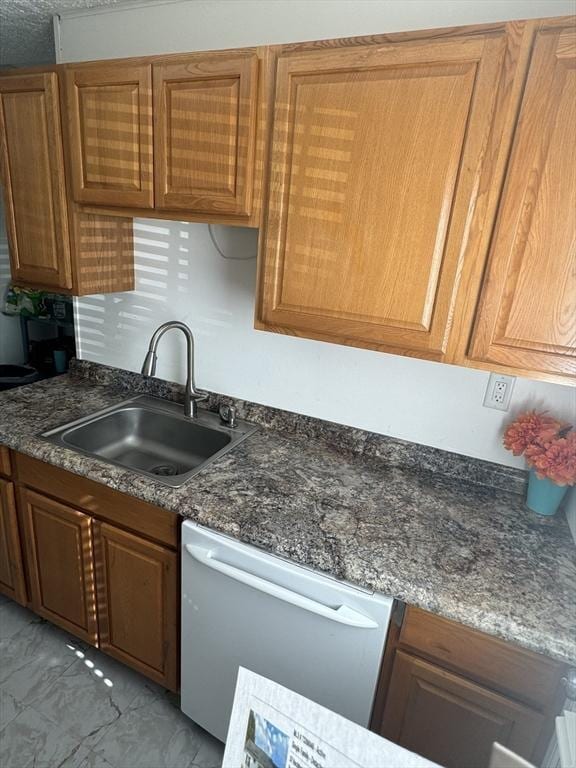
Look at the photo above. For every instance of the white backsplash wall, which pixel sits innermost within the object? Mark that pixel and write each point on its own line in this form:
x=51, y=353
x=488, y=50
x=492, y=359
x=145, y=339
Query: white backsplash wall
x=172, y=26
x=181, y=276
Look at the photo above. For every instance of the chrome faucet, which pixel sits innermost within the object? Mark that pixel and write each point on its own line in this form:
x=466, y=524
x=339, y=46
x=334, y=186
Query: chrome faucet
x=191, y=394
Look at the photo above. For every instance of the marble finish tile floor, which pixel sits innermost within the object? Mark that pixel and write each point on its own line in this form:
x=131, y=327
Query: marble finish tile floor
x=63, y=704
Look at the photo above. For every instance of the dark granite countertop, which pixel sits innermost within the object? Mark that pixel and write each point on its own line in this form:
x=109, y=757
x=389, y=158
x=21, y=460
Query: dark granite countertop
x=463, y=550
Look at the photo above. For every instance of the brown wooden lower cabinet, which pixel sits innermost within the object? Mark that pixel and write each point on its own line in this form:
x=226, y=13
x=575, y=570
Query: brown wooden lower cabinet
x=448, y=692
x=60, y=564
x=12, y=580
x=113, y=588
x=451, y=720
x=138, y=602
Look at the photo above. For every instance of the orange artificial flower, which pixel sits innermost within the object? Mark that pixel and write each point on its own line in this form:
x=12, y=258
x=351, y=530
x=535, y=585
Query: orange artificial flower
x=529, y=428
x=557, y=461
x=548, y=444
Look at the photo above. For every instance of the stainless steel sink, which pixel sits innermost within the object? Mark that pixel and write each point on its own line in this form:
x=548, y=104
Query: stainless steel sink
x=152, y=437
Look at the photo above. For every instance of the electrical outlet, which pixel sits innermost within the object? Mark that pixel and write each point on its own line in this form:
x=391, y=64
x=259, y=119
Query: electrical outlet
x=499, y=391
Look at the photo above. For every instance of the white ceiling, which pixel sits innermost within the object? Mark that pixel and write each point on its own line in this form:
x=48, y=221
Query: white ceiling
x=26, y=32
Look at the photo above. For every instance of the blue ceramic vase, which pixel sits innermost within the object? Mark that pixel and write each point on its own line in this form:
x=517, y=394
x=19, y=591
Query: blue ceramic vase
x=544, y=497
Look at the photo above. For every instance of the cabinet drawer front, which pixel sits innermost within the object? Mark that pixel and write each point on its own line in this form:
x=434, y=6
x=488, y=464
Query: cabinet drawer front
x=518, y=323
x=99, y=500
x=205, y=111
x=377, y=155
x=138, y=603
x=508, y=668
x=110, y=114
x=60, y=564
x=453, y=721
x=32, y=166
x=12, y=581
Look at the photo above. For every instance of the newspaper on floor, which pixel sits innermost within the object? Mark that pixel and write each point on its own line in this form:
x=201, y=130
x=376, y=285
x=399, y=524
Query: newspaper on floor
x=273, y=727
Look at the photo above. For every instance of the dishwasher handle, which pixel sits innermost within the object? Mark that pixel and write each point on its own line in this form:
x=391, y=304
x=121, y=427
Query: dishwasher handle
x=343, y=614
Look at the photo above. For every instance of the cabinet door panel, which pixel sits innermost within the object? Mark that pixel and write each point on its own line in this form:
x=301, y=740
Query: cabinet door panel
x=32, y=165
x=451, y=720
x=138, y=603
x=527, y=314
x=376, y=157
x=12, y=582
x=110, y=113
x=204, y=132
x=60, y=563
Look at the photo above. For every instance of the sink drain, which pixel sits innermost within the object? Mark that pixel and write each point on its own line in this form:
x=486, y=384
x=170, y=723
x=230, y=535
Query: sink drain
x=165, y=470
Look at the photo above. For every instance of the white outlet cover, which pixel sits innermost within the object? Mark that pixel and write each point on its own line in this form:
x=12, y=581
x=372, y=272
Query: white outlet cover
x=499, y=391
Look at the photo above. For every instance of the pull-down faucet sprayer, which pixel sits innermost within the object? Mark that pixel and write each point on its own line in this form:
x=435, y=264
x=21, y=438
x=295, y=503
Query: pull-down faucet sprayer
x=191, y=394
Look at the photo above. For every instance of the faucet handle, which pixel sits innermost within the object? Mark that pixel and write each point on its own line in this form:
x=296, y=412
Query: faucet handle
x=228, y=415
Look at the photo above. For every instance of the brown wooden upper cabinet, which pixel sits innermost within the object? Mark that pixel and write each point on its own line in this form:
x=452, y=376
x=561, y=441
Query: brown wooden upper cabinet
x=527, y=313
x=376, y=160
x=420, y=186
x=169, y=134
x=205, y=112
x=31, y=161
x=110, y=132
x=53, y=245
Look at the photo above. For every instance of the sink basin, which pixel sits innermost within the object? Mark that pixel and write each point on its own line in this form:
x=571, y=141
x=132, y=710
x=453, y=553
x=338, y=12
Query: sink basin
x=152, y=437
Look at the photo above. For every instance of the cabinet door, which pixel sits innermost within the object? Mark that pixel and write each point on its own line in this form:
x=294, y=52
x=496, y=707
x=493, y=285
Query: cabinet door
x=205, y=109
x=451, y=720
x=60, y=564
x=12, y=582
x=32, y=166
x=138, y=603
x=377, y=153
x=527, y=314
x=110, y=119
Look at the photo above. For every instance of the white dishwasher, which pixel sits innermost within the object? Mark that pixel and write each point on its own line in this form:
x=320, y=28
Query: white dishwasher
x=311, y=633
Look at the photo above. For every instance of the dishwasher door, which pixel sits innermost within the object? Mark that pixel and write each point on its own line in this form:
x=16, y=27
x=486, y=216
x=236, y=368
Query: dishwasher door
x=242, y=607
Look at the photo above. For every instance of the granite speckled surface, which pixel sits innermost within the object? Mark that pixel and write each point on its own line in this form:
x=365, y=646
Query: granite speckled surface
x=466, y=551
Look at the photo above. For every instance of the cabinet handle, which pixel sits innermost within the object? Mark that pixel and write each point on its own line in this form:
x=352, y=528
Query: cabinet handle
x=343, y=614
